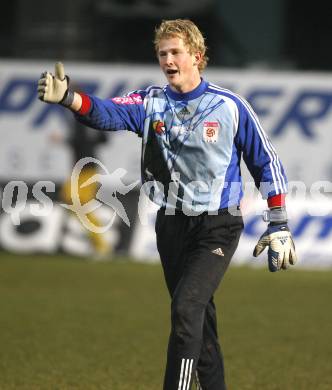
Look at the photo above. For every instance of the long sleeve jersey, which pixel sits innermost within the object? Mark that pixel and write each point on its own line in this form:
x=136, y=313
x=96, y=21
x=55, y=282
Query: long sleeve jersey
x=192, y=144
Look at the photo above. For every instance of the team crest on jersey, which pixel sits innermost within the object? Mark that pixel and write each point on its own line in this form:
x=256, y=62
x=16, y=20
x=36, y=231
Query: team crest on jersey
x=210, y=131
x=158, y=127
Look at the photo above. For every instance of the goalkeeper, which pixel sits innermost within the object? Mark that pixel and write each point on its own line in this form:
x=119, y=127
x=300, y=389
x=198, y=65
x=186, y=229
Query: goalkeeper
x=193, y=136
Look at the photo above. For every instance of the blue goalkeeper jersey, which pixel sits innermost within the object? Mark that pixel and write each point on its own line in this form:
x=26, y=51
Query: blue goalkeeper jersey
x=192, y=144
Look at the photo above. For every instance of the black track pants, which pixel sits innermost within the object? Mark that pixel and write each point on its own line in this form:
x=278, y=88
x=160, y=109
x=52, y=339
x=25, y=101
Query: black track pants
x=195, y=253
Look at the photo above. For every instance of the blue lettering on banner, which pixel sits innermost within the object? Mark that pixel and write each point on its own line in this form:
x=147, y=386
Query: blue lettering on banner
x=253, y=226
x=301, y=116
x=257, y=96
x=25, y=89
x=18, y=94
x=324, y=224
x=326, y=228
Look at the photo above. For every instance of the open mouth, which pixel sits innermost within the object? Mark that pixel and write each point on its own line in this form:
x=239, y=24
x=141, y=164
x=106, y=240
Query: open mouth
x=171, y=71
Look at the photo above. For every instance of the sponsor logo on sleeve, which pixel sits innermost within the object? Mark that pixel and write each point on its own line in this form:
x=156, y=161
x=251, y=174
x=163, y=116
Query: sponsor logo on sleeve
x=131, y=99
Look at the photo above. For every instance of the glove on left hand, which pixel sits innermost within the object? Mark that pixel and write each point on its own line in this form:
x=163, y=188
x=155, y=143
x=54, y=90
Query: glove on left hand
x=281, y=250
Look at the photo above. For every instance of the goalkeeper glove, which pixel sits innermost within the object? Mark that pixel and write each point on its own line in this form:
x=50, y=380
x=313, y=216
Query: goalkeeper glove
x=278, y=239
x=54, y=89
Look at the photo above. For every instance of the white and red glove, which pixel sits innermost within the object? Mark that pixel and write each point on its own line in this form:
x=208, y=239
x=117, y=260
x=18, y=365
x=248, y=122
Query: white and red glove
x=278, y=239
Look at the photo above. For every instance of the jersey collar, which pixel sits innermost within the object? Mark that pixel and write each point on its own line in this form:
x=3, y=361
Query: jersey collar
x=195, y=93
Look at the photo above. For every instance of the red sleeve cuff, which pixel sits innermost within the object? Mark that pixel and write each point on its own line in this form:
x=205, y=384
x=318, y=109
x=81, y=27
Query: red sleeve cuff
x=86, y=104
x=276, y=201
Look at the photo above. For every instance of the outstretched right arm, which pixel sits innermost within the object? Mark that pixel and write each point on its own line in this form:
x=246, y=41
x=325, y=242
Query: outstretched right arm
x=120, y=113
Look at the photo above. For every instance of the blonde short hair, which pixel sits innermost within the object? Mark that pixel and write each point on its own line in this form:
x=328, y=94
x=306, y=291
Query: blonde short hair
x=188, y=31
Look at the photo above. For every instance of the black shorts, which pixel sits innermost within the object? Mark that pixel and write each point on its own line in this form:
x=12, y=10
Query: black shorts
x=181, y=239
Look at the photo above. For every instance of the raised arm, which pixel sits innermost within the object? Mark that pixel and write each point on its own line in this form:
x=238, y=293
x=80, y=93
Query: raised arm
x=119, y=113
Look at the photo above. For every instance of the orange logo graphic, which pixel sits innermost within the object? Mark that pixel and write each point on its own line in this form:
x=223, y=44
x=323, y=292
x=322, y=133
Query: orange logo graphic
x=158, y=127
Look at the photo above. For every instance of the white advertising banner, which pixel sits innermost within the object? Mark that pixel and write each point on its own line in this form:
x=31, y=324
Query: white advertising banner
x=294, y=108
x=43, y=227
x=310, y=222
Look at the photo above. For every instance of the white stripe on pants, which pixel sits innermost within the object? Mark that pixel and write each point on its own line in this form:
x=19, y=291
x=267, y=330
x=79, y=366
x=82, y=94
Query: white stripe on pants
x=185, y=374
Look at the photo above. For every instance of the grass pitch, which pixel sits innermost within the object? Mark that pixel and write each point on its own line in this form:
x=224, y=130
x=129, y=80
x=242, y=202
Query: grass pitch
x=67, y=323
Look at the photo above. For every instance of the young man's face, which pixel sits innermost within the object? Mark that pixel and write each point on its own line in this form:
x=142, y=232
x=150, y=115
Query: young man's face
x=179, y=66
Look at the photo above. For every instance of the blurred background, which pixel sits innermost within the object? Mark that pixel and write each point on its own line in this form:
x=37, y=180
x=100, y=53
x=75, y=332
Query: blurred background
x=280, y=34
x=275, y=54
x=71, y=321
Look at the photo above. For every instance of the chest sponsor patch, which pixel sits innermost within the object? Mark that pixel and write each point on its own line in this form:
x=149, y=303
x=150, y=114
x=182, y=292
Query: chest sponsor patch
x=210, y=131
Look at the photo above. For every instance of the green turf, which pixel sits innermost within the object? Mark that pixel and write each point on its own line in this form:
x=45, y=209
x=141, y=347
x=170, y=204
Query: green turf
x=67, y=323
